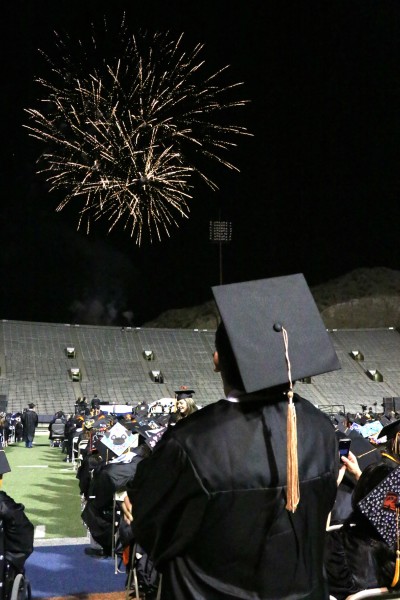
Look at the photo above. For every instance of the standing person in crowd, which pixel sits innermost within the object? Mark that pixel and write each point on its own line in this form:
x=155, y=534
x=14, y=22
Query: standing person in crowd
x=29, y=421
x=3, y=435
x=73, y=428
x=228, y=505
x=185, y=406
x=19, y=428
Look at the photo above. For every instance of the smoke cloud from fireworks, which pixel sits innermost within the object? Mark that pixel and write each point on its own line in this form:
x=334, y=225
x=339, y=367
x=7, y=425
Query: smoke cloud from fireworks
x=127, y=122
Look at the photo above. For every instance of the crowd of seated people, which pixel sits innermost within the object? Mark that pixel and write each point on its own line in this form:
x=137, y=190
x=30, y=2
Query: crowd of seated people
x=106, y=449
x=356, y=557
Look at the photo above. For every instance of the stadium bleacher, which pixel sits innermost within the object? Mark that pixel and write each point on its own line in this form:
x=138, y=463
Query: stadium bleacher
x=110, y=362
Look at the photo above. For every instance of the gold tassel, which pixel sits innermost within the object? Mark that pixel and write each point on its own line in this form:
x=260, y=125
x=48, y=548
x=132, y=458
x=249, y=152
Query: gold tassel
x=397, y=568
x=292, y=468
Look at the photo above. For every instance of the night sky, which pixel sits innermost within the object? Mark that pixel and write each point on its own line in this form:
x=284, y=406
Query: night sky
x=318, y=188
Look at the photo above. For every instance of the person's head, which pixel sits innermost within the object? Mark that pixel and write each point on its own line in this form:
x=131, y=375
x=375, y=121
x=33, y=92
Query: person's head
x=393, y=445
x=391, y=431
x=185, y=407
x=31, y=405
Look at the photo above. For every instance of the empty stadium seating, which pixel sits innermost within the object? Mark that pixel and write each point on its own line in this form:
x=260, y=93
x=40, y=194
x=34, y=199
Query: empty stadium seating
x=35, y=366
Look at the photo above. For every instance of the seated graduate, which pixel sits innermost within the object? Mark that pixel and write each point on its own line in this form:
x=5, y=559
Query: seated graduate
x=358, y=555
x=18, y=530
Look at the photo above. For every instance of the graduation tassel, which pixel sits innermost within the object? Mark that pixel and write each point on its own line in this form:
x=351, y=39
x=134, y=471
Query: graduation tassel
x=292, y=467
x=397, y=568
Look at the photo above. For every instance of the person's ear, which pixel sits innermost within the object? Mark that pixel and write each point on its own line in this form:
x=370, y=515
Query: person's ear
x=216, y=362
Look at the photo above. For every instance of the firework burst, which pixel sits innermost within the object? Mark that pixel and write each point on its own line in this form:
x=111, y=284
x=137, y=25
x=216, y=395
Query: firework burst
x=125, y=135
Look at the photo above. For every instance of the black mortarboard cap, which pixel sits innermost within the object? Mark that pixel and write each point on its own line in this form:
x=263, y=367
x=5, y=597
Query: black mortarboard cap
x=181, y=394
x=364, y=452
x=390, y=430
x=379, y=506
x=254, y=313
x=340, y=422
x=4, y=465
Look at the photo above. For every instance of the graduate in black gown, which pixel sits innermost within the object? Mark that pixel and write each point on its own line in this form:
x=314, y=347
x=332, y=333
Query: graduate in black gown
x=356, y=555
x=17, y=529
x=229, y=505
x=30, y=422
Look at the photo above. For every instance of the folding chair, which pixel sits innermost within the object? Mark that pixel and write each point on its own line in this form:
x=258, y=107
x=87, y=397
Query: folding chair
x=135, y=581
x=118, y=497
x=57, y=433
x=81, y=446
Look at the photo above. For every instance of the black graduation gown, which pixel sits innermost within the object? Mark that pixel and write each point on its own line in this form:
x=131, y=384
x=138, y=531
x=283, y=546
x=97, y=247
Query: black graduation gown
x=18, y=531
x=30, y=421
x=356, y=560
x=209, y=503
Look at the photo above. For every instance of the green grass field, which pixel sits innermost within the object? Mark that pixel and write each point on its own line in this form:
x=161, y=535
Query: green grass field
x=47, y=487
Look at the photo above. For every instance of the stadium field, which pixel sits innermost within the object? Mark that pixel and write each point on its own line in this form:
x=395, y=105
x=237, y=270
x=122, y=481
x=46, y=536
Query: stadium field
x=47, y=487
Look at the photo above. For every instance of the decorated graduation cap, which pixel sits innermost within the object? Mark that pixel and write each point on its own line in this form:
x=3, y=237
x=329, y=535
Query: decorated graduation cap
x=277, y=337
x=340, y=422
x=118, y=439
x=152, y=429
x=382, y=509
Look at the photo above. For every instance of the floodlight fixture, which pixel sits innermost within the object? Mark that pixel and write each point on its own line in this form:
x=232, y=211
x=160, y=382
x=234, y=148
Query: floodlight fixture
x=75, y=374
x=357, y=355
x=220, y=232
x=70, y=351
x=157, y=376
x=148, y=354
x=375, y=375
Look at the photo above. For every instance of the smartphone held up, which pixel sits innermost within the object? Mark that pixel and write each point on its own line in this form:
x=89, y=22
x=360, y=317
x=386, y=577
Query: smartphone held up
x=344, y=448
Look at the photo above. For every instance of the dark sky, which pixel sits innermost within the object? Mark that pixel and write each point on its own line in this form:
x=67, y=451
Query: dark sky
x=318, y=186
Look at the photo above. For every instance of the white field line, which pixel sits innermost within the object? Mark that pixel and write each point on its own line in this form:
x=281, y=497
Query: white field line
x=40, y=532
x=32, y=466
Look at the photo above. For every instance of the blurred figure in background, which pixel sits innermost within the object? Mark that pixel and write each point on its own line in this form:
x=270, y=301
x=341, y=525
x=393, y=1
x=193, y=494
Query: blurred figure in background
x=29, y=421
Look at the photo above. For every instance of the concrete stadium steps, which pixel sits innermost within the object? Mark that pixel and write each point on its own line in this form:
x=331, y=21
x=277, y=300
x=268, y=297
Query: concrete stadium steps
x=34, y=366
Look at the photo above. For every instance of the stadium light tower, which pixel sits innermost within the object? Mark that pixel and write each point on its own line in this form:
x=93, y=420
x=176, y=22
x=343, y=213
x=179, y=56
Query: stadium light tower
x=220, y=233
